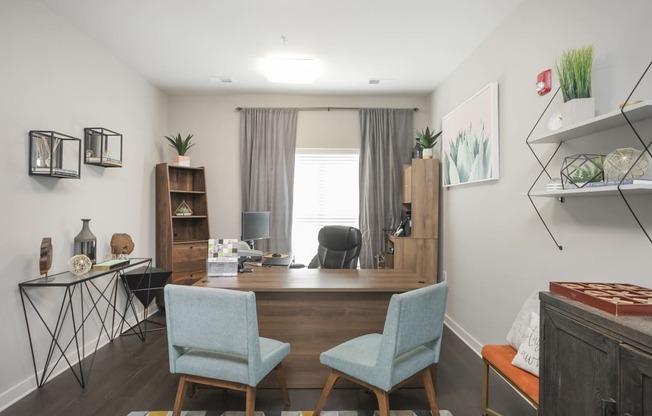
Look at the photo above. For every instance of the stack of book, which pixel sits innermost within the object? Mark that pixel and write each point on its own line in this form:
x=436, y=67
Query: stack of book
x=627, y=181
x=110, y=264
x=222, y=258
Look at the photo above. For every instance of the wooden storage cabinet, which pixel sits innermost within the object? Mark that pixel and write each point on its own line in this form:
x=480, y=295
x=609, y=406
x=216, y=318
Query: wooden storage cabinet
x=424, y=183
x=407, y=184
x=189, y=262
x=592, y=362
x=181, y=240
x=636, y=386
x=415, y=254
x=418, y=252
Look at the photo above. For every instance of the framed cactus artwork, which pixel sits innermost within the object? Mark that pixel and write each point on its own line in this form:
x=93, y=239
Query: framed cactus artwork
x=470, y=139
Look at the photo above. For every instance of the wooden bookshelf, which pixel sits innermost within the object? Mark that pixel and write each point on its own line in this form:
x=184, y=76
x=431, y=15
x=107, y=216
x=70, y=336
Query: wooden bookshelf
x=181, y=240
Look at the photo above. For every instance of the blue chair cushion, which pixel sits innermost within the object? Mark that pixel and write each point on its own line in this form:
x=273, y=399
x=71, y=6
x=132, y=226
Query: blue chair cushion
x=231, y=367
x=358, y=358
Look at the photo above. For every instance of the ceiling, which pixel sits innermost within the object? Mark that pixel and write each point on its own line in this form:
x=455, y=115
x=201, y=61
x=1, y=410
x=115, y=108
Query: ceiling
x=412, y=45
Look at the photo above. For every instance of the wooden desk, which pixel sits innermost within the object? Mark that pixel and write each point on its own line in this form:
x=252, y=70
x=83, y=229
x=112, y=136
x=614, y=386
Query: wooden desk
x=316, y=309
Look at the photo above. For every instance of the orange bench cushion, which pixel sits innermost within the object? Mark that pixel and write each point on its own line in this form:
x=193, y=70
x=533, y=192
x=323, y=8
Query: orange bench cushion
x=500, y=357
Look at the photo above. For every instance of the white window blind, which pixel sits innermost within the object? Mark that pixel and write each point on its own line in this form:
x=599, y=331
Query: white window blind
x=325, y=193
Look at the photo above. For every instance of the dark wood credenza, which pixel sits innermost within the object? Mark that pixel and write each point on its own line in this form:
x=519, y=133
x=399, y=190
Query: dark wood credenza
x=592, y=362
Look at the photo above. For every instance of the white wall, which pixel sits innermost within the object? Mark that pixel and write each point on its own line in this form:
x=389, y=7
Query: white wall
x=216, y=126
x=54, y=78
x=495, y=249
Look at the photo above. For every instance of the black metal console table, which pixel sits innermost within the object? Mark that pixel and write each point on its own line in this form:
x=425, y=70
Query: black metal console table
x=67, y=331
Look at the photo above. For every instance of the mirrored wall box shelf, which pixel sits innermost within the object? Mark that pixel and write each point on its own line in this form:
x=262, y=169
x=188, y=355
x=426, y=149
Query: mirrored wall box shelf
x=102, y=147
x=54, y=155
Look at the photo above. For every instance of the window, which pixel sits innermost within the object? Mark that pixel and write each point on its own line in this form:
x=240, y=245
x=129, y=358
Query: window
x=325, y=193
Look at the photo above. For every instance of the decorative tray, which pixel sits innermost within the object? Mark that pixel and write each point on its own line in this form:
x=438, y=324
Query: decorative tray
x=620, y=299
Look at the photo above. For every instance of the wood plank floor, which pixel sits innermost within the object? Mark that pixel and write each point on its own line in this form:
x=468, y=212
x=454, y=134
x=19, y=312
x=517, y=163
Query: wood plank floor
x=130, y=375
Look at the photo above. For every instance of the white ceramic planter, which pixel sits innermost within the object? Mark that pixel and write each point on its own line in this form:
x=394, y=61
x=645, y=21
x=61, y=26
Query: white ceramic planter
x=181, y=160
x=578, y=110
x=427, y=153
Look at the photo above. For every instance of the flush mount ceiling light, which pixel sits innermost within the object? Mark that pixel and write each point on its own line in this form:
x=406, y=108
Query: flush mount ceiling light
x=376, y=81
x=220, y=79
x=291, y=70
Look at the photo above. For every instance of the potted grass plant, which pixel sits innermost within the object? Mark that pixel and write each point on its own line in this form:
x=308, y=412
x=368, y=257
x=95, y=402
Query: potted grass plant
x=427, y=139
x=574, y=72
x=181, y=145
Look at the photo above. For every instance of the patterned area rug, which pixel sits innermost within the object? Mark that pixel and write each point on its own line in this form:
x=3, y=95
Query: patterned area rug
x=291, y=413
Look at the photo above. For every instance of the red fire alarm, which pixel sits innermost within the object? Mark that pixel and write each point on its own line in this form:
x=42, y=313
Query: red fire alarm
x=544, y=82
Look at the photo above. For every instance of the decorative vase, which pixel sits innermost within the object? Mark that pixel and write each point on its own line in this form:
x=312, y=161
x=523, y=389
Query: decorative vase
x=417, y=151
x=578, y=110
x=85, y=242
x=428, y=152
x=182, y=160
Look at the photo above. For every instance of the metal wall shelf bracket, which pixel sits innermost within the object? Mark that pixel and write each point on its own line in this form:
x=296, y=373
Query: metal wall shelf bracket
x=544, y=166
x=544, y=169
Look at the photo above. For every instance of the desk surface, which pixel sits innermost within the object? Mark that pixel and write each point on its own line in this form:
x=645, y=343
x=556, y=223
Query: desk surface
x=275, y=279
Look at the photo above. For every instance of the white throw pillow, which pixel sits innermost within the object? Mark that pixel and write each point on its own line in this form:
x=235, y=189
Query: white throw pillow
x=527, y=356
x=517, y=332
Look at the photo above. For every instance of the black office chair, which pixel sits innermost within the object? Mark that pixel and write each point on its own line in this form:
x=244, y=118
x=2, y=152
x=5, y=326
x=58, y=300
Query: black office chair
x=339, y=248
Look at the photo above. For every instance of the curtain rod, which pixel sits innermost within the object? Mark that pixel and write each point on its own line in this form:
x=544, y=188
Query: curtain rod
x=335, y=108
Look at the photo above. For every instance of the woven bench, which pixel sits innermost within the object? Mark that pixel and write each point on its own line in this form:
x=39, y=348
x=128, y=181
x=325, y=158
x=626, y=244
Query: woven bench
x=499, y=359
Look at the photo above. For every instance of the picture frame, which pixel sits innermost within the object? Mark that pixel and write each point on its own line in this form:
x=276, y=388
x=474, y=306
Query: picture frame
x=470, y=140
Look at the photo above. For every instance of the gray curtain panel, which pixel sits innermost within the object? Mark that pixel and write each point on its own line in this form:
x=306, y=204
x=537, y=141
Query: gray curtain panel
x=268, y=139
x=387, y=141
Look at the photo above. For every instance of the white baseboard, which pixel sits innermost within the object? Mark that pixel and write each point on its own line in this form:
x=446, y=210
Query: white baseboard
x=473, y=343
x=25, y=387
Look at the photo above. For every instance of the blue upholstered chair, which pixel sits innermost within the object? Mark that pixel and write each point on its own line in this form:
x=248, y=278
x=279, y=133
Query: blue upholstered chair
x=409, y=345
x=213, y=340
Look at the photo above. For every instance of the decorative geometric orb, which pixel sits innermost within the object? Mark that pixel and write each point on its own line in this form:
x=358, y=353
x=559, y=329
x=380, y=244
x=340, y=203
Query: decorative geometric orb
x=618, y=163
x=578, y=170
x=79, y=264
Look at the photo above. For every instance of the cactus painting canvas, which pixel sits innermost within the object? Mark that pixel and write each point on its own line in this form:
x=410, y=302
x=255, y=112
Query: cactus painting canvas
x=470, y=139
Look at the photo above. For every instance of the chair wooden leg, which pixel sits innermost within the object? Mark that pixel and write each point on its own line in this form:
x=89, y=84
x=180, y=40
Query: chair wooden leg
x=383, y=401
x=181, y=394
x=430, y=391
x=192, y=389
x=485, y=387
x=281, y=381
x=250, y=406
x=330, y=382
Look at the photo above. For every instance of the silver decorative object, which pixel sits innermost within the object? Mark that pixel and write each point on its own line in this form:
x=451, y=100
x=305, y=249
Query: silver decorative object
x=79, y=264
x=618, y=163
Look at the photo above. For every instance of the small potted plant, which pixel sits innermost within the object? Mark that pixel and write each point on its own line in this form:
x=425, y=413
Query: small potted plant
x=427, y=139
x=574, y=73
x=181, y=145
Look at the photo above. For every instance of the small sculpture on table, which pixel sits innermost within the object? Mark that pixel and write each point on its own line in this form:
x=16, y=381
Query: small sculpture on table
x=183, y=209
x=45, y=258
x=121, y=245
x=79, y=264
